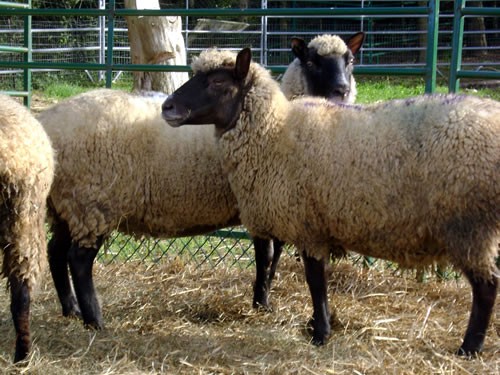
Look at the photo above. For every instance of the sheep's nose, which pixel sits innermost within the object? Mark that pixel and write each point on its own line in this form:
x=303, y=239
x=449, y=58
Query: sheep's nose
x=167, y=104
x=342, y=90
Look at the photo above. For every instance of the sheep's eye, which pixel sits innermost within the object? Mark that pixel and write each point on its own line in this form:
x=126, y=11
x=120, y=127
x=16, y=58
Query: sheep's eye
x=309, y=64
x=217, y=82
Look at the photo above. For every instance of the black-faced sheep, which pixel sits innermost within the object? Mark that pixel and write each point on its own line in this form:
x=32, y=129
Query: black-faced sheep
x=118, y=168
x=413, y=181
x=26, y=172
x=102, y=184
x=323, y=68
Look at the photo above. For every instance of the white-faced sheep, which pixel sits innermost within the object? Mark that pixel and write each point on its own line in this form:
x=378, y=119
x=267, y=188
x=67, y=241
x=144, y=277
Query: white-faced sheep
x=26, y=172
x=323, y=68
x=413, y=181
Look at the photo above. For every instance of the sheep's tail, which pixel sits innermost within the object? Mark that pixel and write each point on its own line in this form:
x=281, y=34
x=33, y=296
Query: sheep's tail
x=24, y=236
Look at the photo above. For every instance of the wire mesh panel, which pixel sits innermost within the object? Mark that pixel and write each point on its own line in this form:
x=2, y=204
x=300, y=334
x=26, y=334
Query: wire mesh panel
x=230, y=247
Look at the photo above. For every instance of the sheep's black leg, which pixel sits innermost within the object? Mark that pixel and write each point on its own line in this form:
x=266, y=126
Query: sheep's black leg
x=263, y=258
x=316, y=278
x=277, y=250
x=58, y=249
x=20, y=310
x=483, y=300
x=267, y=255
x=81, y=261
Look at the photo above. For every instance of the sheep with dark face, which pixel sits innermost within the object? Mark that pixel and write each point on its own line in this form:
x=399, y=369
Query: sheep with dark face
x=414, y=181
x=323, y=68
x=88, y=202
x=26, y=172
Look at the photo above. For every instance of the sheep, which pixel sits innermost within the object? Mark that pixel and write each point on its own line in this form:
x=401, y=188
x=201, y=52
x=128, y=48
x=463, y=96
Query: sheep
x=83, y=215
x=118, y=168
x=323, y=68
x=414, y=181
x=26, y=173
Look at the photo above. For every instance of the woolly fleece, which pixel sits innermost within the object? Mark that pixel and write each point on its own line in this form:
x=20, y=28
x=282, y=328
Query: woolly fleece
x=413, y=181
x=121, y=167
x=293, y=83
x=26, y=172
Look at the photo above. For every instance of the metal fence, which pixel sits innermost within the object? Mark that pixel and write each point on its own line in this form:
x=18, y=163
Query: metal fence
x=402, y=40
x=396, y=37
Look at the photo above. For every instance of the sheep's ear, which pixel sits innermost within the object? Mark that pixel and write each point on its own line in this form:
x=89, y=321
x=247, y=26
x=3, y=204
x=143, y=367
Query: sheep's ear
x=355, y=42
x=243, y=61
x=299, y=48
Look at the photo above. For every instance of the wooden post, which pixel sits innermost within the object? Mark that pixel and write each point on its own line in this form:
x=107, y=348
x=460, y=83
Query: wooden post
x=156, y=40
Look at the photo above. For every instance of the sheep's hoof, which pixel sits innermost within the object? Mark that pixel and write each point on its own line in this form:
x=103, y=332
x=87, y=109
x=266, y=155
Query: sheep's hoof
x=262, y=307
x=73, y=313
x=70, y=308
x=94, y=326
x=318, y=338
x=319, y=341
x=468, y=353
x=22, y=350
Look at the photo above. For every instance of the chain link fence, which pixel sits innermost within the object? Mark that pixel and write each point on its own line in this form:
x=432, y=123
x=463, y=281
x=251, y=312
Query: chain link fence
x=230, y=247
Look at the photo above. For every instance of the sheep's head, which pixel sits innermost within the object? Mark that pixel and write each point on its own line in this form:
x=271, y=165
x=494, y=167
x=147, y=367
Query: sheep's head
x=327, y=64
x=214, y=95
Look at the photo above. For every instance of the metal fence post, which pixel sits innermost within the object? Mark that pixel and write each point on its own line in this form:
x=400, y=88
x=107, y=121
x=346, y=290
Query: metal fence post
x=102, y=39
x=263, y=40
x=432, y=46
x=456, y=45
x=26, y=50
x=109, y=50
x=28, y=57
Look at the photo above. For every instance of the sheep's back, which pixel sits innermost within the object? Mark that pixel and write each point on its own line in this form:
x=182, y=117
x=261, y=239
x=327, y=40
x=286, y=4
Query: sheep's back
x=400, y=173
x=390, y=180
x=26, y=172
x=121, y=166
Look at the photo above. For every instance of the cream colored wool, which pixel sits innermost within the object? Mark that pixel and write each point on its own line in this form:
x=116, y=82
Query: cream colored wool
x=120, y=166
x=328, y=44
x=293, y=83
x=26, y=172
x=387, y=180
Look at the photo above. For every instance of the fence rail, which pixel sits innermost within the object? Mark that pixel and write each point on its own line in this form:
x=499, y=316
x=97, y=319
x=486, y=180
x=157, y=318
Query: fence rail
x=431, y=11
x=460, y=11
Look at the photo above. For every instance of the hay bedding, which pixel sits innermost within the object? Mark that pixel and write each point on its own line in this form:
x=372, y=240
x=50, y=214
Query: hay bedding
x=173, y=319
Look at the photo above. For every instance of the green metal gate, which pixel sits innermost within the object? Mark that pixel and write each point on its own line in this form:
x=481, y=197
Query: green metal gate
x=460, y=11
x=25, y=50
x=111, y=12
x=431, y=11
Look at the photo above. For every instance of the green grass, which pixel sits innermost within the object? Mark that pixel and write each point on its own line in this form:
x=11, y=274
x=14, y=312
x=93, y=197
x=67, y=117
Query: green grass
x=63, y=90
x=370, y=89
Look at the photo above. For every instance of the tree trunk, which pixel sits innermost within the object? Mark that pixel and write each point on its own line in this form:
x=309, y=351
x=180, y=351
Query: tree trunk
x=156, y=40
x=479, y=39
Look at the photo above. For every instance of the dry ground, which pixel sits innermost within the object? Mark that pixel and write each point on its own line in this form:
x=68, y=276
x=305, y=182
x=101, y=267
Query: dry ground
x=170, y=318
